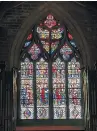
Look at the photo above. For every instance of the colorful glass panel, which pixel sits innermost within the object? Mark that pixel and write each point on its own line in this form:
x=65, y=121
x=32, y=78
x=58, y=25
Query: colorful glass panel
x=75, y=109
x=57, y=33
x=43, y=33
x=66, y=52
x=46, y=45
x=74, y=89
x=27, y=113
x=59, y=105
x=54, y=45
x=34, y=51
x=26, y=90
x=26, y=69
x=50, y=22
x=42, y=89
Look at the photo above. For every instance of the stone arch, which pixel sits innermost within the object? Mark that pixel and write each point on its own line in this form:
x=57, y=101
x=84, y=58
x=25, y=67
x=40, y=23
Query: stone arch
x=61, y=14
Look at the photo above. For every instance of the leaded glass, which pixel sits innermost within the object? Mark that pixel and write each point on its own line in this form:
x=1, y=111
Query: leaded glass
x=27, y=43
x=34, y=51
x=42, y=113
x=58, y=70
x=42, y=89
x=74, y=90
x=57, y=33
x=27, y=113
x=50, y=75
x=54, y=45
x=29, y=36
x=70, y=36
x=75, y=109
x=26, y=70
x=50, y=22
x=46, y=45
x=26, y=90
x=43, y=33
x=66, y=52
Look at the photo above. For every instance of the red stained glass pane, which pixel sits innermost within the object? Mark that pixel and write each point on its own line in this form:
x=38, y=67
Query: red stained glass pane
x=29, y=37
x=70, y=36
x=50, y=22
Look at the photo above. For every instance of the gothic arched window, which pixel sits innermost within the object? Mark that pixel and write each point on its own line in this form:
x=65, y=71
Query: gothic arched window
x=50, y=76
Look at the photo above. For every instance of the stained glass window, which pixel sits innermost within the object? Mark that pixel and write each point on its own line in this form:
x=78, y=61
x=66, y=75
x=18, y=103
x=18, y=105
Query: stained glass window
x=50, y=76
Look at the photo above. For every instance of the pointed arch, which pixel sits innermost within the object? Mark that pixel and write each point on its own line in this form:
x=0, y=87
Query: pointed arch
x=38, y=14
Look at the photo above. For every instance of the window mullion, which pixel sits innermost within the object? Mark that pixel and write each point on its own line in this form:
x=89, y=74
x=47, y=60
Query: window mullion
x=67, y=98
x=34, y=90
x=50, y=91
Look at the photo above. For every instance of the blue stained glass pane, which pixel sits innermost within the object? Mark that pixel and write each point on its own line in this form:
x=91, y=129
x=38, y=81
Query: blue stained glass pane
x=27, y=43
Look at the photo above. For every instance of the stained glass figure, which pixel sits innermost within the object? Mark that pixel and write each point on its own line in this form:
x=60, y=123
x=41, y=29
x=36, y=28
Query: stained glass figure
x=42, y=89
x=34, y=51
x=58, y=70
x=50, y=22
x=66, y=52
